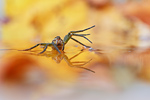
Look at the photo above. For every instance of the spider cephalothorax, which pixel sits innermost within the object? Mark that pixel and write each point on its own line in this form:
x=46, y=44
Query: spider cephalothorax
x=59, y=44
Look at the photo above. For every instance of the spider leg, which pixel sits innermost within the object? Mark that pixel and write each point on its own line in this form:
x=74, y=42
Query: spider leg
x=63, y=46
x=55, y=47
x=80, y=42
x=85, y=34
x=82, y=30
x=33, y=47
x=82, y=36
x=72, y=33
x=44, y=49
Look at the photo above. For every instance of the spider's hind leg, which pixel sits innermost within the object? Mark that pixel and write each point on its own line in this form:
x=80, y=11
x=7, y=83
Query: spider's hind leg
x=34, y=46
x=30, y=48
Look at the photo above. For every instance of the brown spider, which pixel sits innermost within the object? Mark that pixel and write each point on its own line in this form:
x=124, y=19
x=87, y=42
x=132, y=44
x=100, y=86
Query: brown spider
x=59, y=44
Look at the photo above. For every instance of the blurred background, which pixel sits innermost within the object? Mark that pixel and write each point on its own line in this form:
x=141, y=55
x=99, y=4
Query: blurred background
x=119, y=54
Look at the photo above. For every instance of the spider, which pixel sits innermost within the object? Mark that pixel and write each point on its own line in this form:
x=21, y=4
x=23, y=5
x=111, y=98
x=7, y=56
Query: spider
x=59, y=44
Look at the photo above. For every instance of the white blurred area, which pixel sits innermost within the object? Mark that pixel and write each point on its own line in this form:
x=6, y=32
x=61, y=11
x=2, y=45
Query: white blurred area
x=137, y=91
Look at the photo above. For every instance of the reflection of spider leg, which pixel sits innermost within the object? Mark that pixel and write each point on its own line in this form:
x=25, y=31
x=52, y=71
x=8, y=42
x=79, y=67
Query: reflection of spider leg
x=78, y=65
x=86, y=69
x=55, y=47
x=84, y=63
x=76, y=55
x=80, y=42
x=78, y=62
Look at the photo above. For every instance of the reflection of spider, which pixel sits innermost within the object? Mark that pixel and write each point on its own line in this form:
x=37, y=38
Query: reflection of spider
x=58, y=57
x=59, y=44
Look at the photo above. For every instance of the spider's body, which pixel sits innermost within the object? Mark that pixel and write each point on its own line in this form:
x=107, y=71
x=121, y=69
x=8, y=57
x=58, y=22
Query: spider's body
x=59, y=44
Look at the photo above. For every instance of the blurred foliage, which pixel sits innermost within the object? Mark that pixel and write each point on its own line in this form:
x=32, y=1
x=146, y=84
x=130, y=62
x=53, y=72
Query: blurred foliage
x=116, y=39
x=32, y=21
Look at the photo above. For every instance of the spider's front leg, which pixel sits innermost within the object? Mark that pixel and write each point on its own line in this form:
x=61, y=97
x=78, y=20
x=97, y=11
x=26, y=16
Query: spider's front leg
x=73, y=33
x=55, y=46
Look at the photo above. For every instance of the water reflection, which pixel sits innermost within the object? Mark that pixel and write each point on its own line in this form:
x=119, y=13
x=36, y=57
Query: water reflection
x=57, y=57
